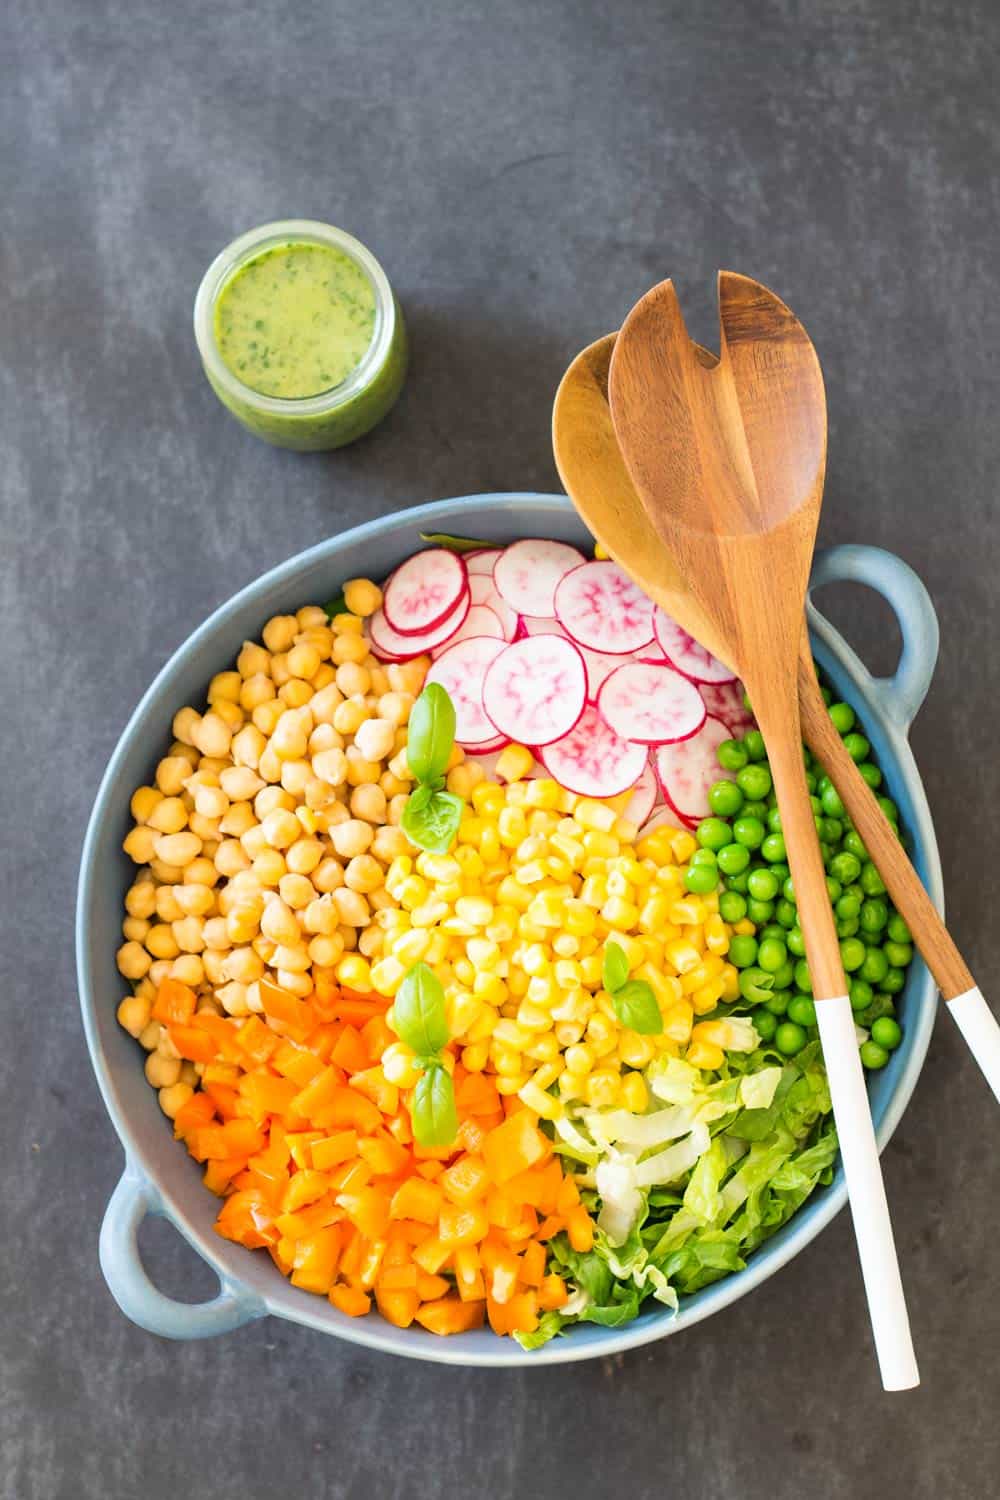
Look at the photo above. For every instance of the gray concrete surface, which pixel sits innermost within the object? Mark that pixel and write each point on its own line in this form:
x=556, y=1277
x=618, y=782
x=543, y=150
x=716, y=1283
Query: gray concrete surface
x=524, y=171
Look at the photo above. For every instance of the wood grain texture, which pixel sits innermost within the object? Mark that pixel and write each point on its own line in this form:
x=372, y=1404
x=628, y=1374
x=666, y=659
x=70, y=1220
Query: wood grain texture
x=728, y=461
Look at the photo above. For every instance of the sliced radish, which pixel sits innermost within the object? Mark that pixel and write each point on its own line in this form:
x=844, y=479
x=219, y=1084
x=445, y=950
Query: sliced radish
x=391, y=645
x=484, y=591
x=527, y=573
x=423, y=591
x=725, y=701
x=460, y=670
x=687, y=770
x=600, y=607
x=643, y=798
x=482, y=561
x=651, y=704
x=479, y=621
x=534, y=691
x=592, y=760
x=686, y=654
x=489, y=751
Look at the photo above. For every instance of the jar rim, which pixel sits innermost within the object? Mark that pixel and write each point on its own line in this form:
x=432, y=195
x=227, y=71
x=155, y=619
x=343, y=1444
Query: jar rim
x=243, y=249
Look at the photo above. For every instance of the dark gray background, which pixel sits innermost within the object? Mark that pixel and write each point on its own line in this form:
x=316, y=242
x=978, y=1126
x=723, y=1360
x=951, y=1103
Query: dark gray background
x=523, y=178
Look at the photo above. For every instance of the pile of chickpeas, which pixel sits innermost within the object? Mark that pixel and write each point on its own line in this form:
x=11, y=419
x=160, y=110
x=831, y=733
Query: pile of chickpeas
x=264, y=842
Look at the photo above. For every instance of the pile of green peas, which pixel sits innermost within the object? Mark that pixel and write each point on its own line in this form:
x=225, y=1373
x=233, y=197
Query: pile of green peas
x=741, y=846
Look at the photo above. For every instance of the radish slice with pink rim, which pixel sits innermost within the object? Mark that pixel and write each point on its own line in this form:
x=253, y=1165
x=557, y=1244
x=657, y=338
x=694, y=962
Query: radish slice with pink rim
x=479, y=621
x=592, y=760
x=687, y=770
x=483, y=561
x=490, y=748
x=600, y=607
x=460, y=670
x=725, y=701
x=651, y=703
x=390, y=645
x=686, y=654
x=598, y=664
x=483, y=590
x=423, y=591
x=535, y=690
x=526, y=574
x=643, y=799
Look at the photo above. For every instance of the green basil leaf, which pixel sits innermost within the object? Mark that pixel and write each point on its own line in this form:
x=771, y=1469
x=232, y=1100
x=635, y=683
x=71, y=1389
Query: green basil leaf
x=454, y=543
x=435, y=1120
x=636, y=1007
x=420, y=796
x=336, y=606
x=433, y=825
x=615, y=972
x=430, y=733
x=419, y=1011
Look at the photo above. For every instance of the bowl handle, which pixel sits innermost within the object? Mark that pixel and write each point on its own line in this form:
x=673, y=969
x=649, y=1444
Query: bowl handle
x=904, y=692
x=138, y=1298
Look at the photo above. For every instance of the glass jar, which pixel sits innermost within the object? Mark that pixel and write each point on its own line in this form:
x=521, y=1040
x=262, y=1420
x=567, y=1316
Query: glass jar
x=332, y=417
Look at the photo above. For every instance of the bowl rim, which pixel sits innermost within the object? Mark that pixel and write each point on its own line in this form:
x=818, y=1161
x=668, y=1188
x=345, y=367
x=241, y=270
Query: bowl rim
x=372, y=1333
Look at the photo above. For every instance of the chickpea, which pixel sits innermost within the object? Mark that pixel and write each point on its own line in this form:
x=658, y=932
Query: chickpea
x=270, y=797
x=150, y=1035
x=279, y=922
x=269, y=765
x=168, y=908
x=279, y=632
x=364, y=874
x=296, y=890
x=144, y=799
x=395, y=707
x=174, y=1097
x=254, y=1001
x=254, y=841
x=160, y=941
x=133, y=960
x=238, y=820
x=350, y=937
x=389, y=843
x=395, y=811
x=248, y=746
x=255, y=691
x=187, y=934
x=207, y=829
x=269, y=866
x=140, y=899
x=215, y=936
x=328, y=875
x=164, y=873
x=281, y=828
x=319, y=794
x=321, y=916
x=331, y=765
x=183, y=727
x=352, y=908
x=325, y=702
x=295, y=960
x=362, y=597
x=336, y=813
x=370, y=942
x=291, y=736
x=134, y=929
x=240, y=783
x=133, y=1014
x=304, y=661
x=243, y=965
x=213, y=736
x=224, y=688
x=295, y=983
x=325, y=951
x=162, y=1071
x=233, y=997
x=375, y=739
x=253, y=660
x=325, y=737
x=368, y=802
x=359, y=770
x=186, y=752
x=169, y=816
x=231, y=857
x=295, y=693
x=352, y=838
x=140, y=844
x=212, y=959
x=280, y=671
x=243, y=921
x=349, y=648
x=201, y=872
x=310, y=615
x=189, y=969
x=263, y=947
x=353, y=680
x=350, y=715
x=210, y=802
x=178, y=848
x=296, y=776
x=193, y=900
x=392, y=785
x=304, y=856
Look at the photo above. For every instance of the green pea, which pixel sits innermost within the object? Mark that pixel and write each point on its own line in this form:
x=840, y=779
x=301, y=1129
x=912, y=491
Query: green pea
x=701, y=879
x=898, y=930
x=871, y=881
x=887, y=1033
x=788, y=890
x=749, y=832
x=830, y=800
x=704, y=857
x=786, y=914
x=875, y=967
x=802, y=1010
x=755, y=985
x=758, y=810
x=732, y=906
x=817, y=807
x=827, y=696
x=843, y=717
x=742, y=950
x=731, y=755
x=789, y=1038
x=765, y=1024
x=854, y=845
x=733, y=859
x=845, y=867
x=846, y=928
x=796, y=943
x=857, y=747
x=725, y=798
x=763, y=885
x=803, y=978
x=811, y=785
x=713, y=833
x=873, y=1056
x=778, y=1003
x=753, y=744
x=754, y=781
x=894, y=981
x=737, y=882
x=889, y=808
x=774, y=819
x=784, y=977
x=852, y=954
x=871, y=774
x=833, y=829
x=848, y=906
x=860, y=993
x=771, y=954
x=898, y=954
x=874, y=914
x=773, y=848
x=759, y=912
x=833, y=888
x=781, y=872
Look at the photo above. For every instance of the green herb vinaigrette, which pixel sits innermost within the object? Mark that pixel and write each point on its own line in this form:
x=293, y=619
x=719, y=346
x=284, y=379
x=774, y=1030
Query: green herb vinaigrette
x=295, y=320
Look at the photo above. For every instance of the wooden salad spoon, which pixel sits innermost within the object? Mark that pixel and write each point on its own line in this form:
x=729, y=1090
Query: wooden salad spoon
x=728, y=459
x=591, y=467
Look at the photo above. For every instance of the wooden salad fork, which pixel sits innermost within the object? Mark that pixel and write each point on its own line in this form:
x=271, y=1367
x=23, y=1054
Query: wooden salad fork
x=728, y=459
x=591, y=467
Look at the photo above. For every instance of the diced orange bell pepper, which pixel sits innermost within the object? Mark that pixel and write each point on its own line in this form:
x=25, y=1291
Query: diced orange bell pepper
x=396, y=1278
x=351, y=1177
x=257, y=1040
x=462, y=1226
x=385, y=1157
x=398, y=1308
x=300, y=1146
x=416, y=1199
x=532, y=1270
x=432, y=1255
x=223, y=1096
x=430, y=1288
x=502, y=1211
x=514, y=1146
x=373, y=1084
x=470, y=1135
x=316, y=1256
x=219, y=1174
x=376, y=1036
x=304, y=1188
x=175, y=1003
x=371, y=1263
x=267, y=1094
x=286, y=1013
x=246, y=1218
x=522, y=1313
x=368, y=1211
x=466, y=1180
x=297, y=1063
x=468, y=1274
x=308, y=1220
x=552, y=1293
x=350, y=1052
x=318, y=1094
x=199, y=1110
x=450, y=1315
x=567, y=1197
x=580, y=1229
x=347, y=1107
x=350, y=1300
x=477, y=1096
x=550, y=1227
x=332, y=1150
x=191, y=1042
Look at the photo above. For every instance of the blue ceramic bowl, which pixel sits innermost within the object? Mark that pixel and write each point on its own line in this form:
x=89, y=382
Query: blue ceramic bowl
x=159, y=1176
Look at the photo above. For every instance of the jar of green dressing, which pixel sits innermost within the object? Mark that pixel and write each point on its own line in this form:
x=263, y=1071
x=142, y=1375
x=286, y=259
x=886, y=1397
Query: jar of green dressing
x=300, y=334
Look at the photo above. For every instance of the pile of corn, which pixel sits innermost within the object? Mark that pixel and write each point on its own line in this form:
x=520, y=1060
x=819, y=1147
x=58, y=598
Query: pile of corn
x=514, y=922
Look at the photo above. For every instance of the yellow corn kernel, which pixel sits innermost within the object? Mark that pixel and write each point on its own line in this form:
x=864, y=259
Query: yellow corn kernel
x=730, y=983
x=385, y=976
x=488, y=799
x=634, y=1095
x=470, y=862
x=440, y=868
x=547, y=909
x=677, y=1021
x=634, y=1050
x=484, y=1026
x=542, y=1103
x=687, y=911
x=489, y=988
x=568, y=974
x=510, y=1084
x=410, y=947
x=657, y=845
x=398, y=1065
x=507, y=1033
x=599, y=845
x=619, y=913
x=544, y=792
x=594, y=815
x=532, y=1017
x=693, y=979
x=681, y=955
x=488, y=845
x=579, y=1059
x=716, y=934
x=603, y=1088
x=463, y=970
x=464, y=1011
x=625, y=830
x=594, y=891
x=474, y=910
x=744, y=927
x=512, y=893
x=506, y=1060
x=514, y=762
x=705, y=1055
x=591, y=966
x=571, y=850
x=429, y=912
x=354, y=972
x=682, y=846
x=708, y=997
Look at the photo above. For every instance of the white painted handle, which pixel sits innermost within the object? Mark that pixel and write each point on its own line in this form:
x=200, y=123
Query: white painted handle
x=869, y=1209
x=978, y=1025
